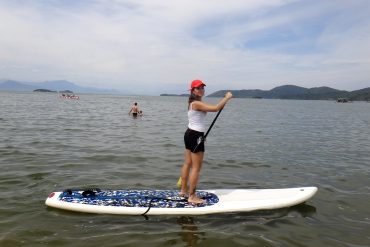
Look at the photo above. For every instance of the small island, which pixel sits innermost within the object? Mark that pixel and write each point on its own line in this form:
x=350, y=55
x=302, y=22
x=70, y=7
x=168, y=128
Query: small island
x=44, y=91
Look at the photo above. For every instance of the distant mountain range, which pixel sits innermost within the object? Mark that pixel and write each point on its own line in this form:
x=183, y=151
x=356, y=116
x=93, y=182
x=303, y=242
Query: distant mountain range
x=295, y=92
x=281, y=92
x=59, y=85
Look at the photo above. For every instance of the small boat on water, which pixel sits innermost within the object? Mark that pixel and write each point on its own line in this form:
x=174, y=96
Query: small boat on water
x=343, y=100
x=68, y=95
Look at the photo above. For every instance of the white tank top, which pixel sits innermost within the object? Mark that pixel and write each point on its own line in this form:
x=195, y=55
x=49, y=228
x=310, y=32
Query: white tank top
x=196, y=119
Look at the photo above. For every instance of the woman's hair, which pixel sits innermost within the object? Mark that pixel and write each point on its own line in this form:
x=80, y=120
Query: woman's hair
x=192, y=98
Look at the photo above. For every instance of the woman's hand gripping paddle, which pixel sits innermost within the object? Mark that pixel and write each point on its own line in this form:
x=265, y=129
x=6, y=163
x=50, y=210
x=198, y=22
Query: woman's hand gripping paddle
x=204, y=138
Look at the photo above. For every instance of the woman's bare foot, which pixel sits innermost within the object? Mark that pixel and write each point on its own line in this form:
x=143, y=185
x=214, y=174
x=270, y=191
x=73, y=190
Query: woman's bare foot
x=195, y=199
x=184, y=194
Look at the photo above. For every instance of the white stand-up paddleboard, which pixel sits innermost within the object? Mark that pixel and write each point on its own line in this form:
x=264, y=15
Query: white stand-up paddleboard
x=168, y=202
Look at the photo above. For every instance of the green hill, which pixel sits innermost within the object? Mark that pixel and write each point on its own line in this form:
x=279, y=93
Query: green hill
x=362, y=94
x=296, y=92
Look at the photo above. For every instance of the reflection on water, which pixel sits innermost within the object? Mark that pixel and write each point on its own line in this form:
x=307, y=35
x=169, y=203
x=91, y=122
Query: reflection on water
x=190, y=233
x=304, y=210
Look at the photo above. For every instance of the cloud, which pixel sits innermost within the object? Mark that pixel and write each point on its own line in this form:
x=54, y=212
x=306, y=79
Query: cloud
x=133, y=44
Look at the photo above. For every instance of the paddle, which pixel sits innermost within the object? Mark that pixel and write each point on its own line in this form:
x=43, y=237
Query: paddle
x=203, y=139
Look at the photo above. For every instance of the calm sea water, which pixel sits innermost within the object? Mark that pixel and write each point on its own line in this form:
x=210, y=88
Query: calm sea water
x=50, y=144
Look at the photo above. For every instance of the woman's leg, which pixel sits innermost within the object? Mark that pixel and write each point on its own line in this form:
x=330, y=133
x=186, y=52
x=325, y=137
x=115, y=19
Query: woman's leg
x=185, y=172
x=197, y=160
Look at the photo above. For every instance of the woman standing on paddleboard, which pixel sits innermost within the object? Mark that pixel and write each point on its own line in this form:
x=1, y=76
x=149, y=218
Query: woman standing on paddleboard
x=194, y=143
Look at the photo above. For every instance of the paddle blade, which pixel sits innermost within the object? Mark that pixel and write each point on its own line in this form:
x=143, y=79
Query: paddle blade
x=179, y=182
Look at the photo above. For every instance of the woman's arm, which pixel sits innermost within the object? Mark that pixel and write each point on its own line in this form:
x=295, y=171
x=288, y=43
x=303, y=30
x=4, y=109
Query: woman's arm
x=201, y=106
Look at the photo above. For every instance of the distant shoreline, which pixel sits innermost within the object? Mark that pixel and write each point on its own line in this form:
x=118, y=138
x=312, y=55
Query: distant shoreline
x=176, y=95
x=281, y=92
x=44, y=91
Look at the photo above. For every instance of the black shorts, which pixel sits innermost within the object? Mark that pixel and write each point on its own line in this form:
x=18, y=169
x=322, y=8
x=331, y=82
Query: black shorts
x=192, y=138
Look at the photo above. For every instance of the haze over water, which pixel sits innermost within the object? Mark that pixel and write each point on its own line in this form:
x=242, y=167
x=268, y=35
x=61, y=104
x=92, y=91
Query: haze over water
x=50, y=144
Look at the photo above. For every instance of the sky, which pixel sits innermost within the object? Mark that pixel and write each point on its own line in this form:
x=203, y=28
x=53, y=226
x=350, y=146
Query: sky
x=160, y=46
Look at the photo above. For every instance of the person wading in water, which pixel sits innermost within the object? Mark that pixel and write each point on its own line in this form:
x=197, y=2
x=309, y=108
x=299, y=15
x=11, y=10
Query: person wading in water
x=134, y=110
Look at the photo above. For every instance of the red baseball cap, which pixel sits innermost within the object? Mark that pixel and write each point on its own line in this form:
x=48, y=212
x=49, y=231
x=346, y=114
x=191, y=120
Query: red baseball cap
x=196, y=83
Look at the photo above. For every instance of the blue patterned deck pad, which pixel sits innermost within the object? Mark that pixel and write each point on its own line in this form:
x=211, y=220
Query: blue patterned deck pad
x=136, y=198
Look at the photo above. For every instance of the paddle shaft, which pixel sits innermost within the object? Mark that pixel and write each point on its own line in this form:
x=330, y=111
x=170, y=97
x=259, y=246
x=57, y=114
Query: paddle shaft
x=209, y=129
x=214, y=120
